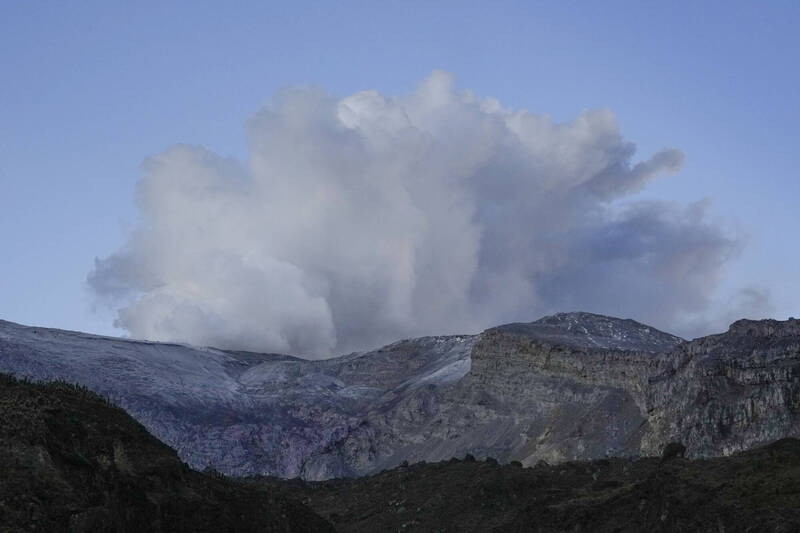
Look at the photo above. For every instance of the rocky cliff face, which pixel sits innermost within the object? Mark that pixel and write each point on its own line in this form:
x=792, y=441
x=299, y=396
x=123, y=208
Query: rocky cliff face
x=570, y=386
x=729, y=392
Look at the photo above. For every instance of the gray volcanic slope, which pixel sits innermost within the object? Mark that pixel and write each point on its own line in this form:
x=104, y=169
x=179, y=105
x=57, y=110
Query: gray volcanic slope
x=569, y=386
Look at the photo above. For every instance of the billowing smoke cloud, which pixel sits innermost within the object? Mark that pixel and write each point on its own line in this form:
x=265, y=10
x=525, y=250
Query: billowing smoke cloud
x=362, y=220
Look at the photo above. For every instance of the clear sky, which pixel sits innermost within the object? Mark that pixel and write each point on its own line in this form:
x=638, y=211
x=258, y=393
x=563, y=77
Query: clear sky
x=92, y=88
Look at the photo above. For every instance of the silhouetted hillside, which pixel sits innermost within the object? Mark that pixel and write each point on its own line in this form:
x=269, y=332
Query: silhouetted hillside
x=756, y=491
x=70, y=461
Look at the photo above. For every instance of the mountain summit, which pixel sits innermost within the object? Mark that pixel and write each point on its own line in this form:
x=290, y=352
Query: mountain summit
x=591, y=331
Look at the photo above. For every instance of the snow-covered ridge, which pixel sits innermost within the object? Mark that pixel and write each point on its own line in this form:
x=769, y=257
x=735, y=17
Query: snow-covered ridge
x=225, y=408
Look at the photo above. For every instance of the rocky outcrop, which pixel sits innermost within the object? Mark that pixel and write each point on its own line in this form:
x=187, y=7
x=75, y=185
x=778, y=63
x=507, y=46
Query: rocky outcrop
x=575, y=385
x=718, y=394
x=569, y=386
x=728, y=392
x=592, y=350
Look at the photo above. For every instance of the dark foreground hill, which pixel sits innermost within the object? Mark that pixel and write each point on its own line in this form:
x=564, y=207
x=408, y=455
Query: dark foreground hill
x=70, y=461
x=755, y=491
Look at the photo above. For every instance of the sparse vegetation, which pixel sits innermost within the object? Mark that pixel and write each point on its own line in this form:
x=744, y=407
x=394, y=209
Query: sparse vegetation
x=70, y=461
x=757, y=491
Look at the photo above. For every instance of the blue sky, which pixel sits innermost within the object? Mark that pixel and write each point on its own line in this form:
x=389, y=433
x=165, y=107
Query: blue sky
x=90, y=89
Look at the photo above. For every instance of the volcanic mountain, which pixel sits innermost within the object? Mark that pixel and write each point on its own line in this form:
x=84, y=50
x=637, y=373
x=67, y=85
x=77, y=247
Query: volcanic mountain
x=566, y=387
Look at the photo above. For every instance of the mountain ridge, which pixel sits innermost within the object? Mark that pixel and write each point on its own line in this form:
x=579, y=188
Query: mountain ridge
x=590, y=330
x=565, y=387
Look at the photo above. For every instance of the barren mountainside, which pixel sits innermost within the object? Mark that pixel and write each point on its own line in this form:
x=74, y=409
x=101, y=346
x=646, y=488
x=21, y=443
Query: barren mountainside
x=569, y=386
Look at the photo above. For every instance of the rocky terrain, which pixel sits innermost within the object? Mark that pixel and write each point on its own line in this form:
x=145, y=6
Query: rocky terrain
x=70, y=461
x=567, y=387
x=756, y=491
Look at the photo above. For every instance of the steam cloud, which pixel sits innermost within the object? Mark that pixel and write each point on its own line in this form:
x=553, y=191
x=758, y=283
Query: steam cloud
x=362, y=220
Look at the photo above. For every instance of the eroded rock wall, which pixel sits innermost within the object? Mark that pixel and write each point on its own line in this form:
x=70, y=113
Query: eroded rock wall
x=731, y=392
